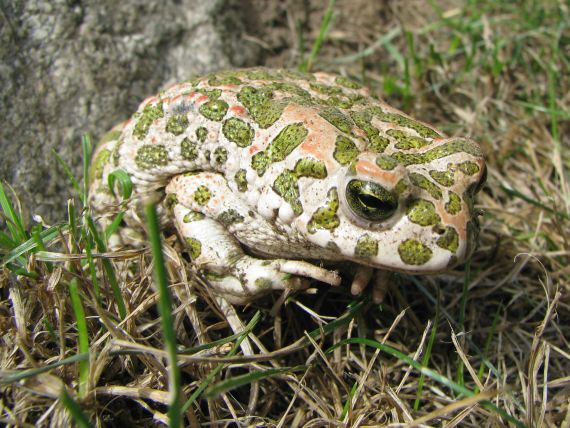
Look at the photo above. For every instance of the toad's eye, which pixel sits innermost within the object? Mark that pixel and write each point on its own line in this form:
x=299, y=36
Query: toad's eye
x=370, y=200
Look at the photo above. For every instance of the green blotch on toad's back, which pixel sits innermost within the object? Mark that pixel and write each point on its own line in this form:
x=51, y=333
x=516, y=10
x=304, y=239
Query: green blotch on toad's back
x=229, y=217
x=422, y=212
x=281, y=146
x=307, y=167
x=149, y=114
x=170, y=201
x=193, y=216
x=260, y=105
x=406, y=141
x=286, y=186
x=202, y=195
x=238, y=131
x=468, y=168
x=220, y=155
x=97, y=166
x=447, y=149
x=201, y=134
x=337, y=118
x=188, y=149
x=445, y=178
x=212, y=94
x=345, y=150
x=387, y=163
x=260, y=74
x=325, y=89
x=214, y=110
x=325, y=217
x=347, y=83
x=339, y=101
x=406, y=122
x=241, y=180
x=449, y=240
x=366, y=246
x=413, y=252
x=363, y=120
x=453, y=206
x=177, y=124
x=423, y=183
x=151, y=156
x=226, y=78
x=194, y=247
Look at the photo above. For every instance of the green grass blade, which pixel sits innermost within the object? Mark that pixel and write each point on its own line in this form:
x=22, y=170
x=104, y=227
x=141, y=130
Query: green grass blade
x=111, y=228
x=370, y=50
x=123, y=179
x=354, y=308
x=46, y=235
x=6, y=242
x=325, y=26
x=109, y=270
x=14, y=221
x=74, y=410
x=19, y=270
x=72, y=222
x=301, y=43
x=29, y=373
x=82, y=335
x=348, y=402
x=167, y=321
x=87, y=245
x=70, y=176
x=517, y=194
x=36, y=236
x=246, y=379
x=87, y=150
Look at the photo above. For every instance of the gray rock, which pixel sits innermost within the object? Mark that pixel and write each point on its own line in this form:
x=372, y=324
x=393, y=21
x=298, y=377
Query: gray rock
x=73, y=67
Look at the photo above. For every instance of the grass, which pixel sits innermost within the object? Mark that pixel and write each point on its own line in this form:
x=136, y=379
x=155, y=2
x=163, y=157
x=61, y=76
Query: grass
x=99, y=338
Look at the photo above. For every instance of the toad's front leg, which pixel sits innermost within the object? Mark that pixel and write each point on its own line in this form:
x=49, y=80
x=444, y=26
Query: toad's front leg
x=212, y=220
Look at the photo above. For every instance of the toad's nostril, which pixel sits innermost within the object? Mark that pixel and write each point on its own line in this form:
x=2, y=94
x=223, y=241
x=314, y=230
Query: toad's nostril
x=439, y=229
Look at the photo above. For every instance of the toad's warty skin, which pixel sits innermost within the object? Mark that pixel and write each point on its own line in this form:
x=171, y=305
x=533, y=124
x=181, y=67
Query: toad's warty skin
x=262, y=169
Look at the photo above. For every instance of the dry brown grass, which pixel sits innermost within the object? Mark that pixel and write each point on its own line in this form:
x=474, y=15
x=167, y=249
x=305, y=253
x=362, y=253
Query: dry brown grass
x=501, y=329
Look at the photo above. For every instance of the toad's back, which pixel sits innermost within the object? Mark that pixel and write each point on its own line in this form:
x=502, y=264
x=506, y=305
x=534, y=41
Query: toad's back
x=295, y=165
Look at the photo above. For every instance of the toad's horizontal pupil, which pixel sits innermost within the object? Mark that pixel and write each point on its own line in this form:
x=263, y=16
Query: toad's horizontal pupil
x=373, y=202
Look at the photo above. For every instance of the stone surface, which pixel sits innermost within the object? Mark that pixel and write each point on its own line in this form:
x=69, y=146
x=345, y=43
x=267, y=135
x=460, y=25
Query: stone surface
x=73, y=67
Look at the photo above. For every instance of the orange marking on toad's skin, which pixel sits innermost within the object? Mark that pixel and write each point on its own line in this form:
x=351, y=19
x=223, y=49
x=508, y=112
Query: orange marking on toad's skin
x=202, y=99
x=178, y=86
x=238, y=110
x=316, y=147
x=148, y=100
x=297, y=113
x=253, y=150
x=175, y=99
x=371, y=170
x=191, y=95
x=359, y=132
